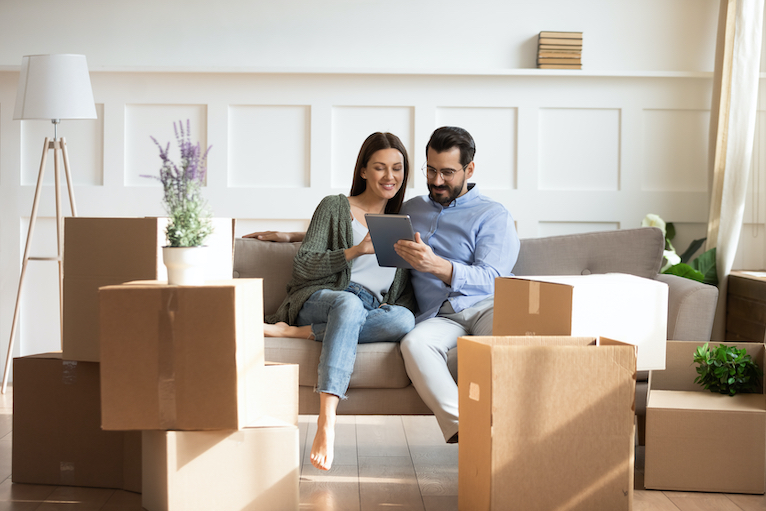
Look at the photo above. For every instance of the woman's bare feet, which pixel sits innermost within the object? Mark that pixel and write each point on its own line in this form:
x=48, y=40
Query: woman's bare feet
x=322, y=450
x=282, y=329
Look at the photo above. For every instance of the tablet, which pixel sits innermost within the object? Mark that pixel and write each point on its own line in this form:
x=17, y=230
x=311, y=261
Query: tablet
x=385, y=231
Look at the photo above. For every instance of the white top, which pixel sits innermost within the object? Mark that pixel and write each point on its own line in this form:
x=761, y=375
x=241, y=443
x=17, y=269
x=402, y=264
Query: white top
x=365, y=270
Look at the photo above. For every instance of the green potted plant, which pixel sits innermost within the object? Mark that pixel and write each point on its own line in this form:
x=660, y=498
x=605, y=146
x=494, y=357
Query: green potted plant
x=189, y=216
x=702, y=268
x=726, y=370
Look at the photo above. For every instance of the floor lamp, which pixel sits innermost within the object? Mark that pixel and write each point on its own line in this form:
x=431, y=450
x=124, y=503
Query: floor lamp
x=51, y=87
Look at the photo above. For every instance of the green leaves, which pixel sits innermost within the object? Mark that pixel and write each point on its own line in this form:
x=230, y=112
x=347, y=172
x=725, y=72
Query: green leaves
x=705, y=264
x=686, y=271
x=726, y=370
x=702, y=268
x=693, y=247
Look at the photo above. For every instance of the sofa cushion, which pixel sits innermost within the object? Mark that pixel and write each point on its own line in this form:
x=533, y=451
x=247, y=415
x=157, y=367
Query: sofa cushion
x=634, y=251
x=378, y=365
x=272, y=262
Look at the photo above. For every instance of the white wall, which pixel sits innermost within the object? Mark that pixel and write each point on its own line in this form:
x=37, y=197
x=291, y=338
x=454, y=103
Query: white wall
x=656, y=35
x=564, y=151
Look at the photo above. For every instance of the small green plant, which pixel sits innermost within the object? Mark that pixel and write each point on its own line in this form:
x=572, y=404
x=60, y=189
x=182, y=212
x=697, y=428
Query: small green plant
x=726, y=370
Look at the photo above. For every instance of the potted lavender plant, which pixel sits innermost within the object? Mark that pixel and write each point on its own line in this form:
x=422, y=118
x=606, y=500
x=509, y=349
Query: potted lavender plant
x=189, y=216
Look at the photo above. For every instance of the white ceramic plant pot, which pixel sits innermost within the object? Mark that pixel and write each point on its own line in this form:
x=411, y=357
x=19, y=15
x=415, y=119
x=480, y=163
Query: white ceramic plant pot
x=186, y=265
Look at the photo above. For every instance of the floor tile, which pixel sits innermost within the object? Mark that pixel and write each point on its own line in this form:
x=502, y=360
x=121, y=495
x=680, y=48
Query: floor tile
x=388, y=482
x=336, y=489
x=693, y=501
x=381, y=435
x=71, y=497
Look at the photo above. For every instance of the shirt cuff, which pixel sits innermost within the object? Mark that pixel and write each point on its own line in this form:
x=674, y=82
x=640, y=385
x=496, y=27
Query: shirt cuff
x=459, y=275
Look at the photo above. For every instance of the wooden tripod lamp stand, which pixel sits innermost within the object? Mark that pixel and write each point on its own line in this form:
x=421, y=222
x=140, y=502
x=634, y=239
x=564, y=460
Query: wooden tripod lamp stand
x=51, y=87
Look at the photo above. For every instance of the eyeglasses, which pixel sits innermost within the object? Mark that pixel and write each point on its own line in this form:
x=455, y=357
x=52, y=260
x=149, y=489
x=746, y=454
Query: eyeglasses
x=447, y=174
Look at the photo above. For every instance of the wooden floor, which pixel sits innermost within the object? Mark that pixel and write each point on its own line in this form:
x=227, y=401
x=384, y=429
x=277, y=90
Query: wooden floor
x=381, y=463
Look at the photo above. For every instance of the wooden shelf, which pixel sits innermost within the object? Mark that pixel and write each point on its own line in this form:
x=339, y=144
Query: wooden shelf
x=399, y=72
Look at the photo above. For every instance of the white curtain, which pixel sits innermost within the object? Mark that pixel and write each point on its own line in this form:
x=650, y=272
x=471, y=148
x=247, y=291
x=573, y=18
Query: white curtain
x=729, y=196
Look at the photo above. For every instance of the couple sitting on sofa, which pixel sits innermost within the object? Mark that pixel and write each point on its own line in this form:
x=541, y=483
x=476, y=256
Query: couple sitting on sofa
x=339, y=295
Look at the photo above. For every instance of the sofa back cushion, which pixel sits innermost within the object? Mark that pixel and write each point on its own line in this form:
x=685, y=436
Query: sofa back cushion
x=272, y=262
x=634, y=251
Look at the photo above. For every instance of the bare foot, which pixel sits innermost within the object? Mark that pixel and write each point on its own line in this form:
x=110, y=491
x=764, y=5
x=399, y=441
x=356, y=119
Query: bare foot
x=282, y=329
x=322, y=450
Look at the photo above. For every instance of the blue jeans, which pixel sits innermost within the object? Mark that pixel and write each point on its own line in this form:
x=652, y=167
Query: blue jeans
x=343, y=319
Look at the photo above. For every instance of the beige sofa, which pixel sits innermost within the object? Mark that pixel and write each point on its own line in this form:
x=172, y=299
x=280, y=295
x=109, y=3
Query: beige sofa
x=379, y=384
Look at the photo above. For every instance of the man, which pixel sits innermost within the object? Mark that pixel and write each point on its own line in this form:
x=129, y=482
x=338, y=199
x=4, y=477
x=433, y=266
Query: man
x=463, y=241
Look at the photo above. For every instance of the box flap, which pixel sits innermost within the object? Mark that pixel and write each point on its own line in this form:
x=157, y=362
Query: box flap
x=475, y=401
x=693, y=400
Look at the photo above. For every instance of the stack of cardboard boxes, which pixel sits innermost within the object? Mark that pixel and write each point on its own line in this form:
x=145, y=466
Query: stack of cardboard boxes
x=161, y=389
x=547, y=412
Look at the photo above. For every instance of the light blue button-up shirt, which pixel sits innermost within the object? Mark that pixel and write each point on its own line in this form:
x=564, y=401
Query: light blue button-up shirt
x=476, y=234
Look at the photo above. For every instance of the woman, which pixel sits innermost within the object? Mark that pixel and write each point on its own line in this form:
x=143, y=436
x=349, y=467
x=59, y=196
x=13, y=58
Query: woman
x=338, y=294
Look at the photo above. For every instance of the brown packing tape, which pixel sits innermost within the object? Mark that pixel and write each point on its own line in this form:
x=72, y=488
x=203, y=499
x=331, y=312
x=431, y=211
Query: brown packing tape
x=166, y=359
x=534, y=297
x=66, y=473
x=69, y=372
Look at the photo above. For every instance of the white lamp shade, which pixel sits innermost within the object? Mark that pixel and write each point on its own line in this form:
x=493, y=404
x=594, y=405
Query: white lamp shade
x=54, y=87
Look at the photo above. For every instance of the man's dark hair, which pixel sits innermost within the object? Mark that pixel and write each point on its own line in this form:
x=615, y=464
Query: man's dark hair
x=447, y=137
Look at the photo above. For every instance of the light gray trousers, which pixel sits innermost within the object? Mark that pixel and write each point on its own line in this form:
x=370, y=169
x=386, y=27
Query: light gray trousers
x=425, y=352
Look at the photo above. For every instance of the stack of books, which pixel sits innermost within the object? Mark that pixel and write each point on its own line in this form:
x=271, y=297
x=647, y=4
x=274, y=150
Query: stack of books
x=559, y=50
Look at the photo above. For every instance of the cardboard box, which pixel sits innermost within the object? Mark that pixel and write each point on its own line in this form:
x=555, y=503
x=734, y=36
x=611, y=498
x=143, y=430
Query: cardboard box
x=106, y=251
x=545, y=423
x=618, y=306
x=188, y=357
x=252, y=469
x=700, y=441
x=57, y=436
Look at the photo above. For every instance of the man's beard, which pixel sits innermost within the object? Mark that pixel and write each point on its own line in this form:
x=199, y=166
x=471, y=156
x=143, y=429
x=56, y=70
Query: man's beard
x=453, y=192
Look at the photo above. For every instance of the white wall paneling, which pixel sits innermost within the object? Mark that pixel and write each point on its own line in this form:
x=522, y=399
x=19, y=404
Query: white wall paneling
x=565, y=152
x=269, y=146
x=496, y=154
x=39, y=312
x=545, y=229
x=351, y=125
x=675, y=150
x=85, y=145
x=162, y=123
x=751, y=250
x=579, y=149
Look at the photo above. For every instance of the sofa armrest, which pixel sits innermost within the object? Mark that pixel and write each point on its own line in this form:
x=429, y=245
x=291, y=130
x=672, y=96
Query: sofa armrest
x=691, y=308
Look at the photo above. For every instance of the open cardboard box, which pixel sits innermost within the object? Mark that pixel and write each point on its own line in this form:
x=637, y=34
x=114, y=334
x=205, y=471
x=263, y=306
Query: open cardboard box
x=188, y=358
x=57, y=435
x=106, y=251
x=545, y=423
x=614, y=305
x=697, y=440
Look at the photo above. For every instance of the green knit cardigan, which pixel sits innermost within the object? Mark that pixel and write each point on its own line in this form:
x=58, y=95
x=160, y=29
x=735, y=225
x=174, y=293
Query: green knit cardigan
x=321, y=262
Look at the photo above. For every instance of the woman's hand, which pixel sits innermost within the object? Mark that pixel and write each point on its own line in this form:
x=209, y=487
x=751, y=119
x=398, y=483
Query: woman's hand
x=278, y=236
x=365, y=247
